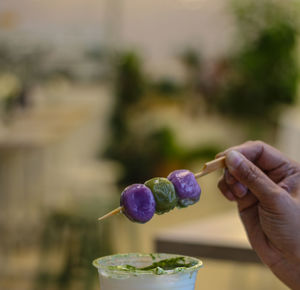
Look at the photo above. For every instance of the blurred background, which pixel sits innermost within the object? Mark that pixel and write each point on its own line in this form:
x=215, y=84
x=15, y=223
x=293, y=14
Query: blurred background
x=96, y=95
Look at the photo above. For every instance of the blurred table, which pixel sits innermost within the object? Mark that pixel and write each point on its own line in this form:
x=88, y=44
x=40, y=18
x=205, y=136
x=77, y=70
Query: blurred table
x=219, y=237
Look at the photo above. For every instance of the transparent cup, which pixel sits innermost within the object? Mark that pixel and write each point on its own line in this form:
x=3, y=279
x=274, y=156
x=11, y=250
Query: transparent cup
x=112, y=278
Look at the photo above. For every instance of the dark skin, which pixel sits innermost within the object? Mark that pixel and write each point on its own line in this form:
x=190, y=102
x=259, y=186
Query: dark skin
x=266, y=186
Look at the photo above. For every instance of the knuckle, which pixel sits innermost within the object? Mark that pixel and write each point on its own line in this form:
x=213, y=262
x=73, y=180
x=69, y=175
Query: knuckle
x=250, y=174
x=260, y=145
x=254, y=143
x=257, y=142
x=279, y=197
x=250, y=143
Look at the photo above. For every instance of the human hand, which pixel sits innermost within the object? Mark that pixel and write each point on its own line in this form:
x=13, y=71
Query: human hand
x=266, y=186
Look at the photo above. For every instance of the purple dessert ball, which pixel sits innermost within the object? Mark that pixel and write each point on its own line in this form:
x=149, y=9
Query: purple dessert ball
x=186, y=186
x=138, y=203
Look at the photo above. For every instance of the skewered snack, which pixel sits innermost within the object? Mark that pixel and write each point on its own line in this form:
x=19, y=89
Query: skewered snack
x=139, y=202
x=186, y=186
x=164, y=194
x=160, y=195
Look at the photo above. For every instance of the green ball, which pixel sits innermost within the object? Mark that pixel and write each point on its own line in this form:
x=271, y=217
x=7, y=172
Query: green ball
x=164, y=194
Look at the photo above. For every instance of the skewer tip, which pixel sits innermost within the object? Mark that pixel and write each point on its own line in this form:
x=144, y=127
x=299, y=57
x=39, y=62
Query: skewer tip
x=111, y=213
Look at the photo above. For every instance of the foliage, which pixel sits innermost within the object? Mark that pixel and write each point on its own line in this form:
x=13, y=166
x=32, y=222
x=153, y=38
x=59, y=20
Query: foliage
x=264, y=71
x=129, y=86
x=155, y=154
x=167, y=87
x=27, y=64
x=192, y=63
x=190, y=59
x=143, y=155
x=75, y=239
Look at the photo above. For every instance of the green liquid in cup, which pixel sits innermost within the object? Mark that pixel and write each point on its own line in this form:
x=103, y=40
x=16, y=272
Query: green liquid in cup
x=148, y=272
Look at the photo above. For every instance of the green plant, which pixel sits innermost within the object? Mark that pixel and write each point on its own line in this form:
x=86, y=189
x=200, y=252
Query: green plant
x=167, y=87
x=74, y=238
x=264, y=71
x=129, y=88
x=155, y=151
x=192, y=63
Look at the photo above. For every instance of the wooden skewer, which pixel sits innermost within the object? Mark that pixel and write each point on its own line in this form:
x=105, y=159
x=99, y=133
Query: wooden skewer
x=211, y=166
x=207, y=168
x=111, y=213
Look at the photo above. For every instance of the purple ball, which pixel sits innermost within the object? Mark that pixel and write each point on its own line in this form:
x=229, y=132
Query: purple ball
x=186, y=187
x=138, y=202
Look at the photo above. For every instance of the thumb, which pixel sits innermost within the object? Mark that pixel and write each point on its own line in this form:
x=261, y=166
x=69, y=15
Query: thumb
x=251, y=176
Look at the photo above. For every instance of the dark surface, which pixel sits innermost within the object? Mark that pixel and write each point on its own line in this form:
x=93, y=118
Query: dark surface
x=206, y=251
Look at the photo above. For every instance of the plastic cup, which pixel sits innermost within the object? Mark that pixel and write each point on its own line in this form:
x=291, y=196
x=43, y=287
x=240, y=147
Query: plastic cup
x=112, y=278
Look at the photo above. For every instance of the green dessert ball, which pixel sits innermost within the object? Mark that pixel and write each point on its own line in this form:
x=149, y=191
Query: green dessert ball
x=164, y=194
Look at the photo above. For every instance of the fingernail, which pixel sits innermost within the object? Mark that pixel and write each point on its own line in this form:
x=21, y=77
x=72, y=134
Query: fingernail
x=233, y=159
x=240, y=190
x=230, y=195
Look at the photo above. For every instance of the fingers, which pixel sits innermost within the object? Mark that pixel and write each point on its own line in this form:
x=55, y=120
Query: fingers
x=263, y=155
x=244, y=200
x=251, y=149
x=231, y=188
x=246, y=173
x=239, y=189
x=229, y=178
x=291, y=184
x=225, y=190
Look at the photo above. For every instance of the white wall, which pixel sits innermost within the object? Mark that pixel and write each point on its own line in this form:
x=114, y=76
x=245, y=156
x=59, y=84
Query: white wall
x=160, y=27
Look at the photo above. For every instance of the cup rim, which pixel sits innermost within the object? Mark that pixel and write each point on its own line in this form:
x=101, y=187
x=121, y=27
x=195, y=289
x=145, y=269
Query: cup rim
x=158, y=256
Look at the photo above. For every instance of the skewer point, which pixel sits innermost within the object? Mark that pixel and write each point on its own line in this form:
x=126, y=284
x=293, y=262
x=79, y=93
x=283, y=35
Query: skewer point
x=111, y=213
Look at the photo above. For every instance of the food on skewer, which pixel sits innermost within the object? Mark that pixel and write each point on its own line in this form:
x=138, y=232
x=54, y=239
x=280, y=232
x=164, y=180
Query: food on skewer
x=159, y=195
x=186, y=186
x=164, y=194
x=138, y=203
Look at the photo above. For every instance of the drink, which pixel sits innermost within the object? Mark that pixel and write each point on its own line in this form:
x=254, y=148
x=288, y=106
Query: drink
x=147, y=272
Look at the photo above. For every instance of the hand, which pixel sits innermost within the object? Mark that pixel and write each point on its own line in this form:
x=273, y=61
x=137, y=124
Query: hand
x=266, y=186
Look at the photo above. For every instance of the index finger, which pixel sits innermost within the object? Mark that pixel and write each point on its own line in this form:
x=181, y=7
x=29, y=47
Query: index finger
x=261, y=154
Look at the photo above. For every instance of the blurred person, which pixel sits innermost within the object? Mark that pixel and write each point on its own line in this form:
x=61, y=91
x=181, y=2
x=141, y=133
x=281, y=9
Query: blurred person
x=266, y=186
